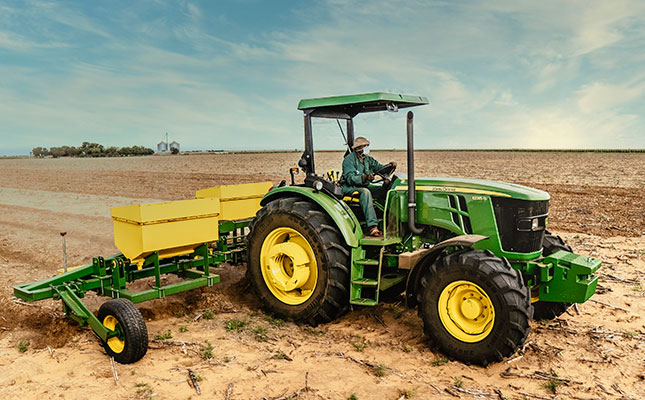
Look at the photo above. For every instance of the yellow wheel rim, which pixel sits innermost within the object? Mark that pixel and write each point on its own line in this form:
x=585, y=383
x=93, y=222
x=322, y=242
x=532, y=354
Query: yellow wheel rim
x=466, y=311
x=535, y=294
x=114, y=343
x=289, y=266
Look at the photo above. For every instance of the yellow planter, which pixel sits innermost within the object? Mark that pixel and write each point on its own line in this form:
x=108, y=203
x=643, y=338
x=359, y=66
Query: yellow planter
x=172, y=228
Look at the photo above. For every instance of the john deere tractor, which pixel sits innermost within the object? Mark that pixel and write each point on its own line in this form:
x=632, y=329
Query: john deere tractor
x=474, y=256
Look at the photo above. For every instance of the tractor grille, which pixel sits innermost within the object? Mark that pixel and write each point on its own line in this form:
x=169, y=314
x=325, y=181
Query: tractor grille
x=508, y=213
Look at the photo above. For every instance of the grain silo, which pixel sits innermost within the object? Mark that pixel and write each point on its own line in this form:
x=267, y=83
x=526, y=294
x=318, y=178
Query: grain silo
x=174, y=145
x=162, y=147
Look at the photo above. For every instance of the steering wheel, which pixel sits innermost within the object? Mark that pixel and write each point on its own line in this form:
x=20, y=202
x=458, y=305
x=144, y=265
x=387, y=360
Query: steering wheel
x=385, y=174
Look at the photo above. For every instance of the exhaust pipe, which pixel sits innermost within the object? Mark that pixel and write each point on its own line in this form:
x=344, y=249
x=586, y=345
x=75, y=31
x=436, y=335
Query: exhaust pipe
x=412, y=205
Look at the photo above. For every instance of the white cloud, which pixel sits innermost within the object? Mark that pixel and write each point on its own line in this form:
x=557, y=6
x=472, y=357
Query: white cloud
x=14, y=42
x=554, y=40
x=600, y=24
x=193, y=11
x=554, y=128
x=505, y=98
x=597, y=96
x=69, y=16
x=573, y=27
x=550, y=73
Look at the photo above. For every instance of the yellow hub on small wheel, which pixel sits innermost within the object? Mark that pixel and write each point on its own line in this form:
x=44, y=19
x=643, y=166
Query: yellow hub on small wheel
x=116, y=345
x=466, y=311
x=288, y=265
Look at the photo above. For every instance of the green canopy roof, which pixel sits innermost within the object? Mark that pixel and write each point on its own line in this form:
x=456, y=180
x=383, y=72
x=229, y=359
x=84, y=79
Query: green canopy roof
x=350, y=105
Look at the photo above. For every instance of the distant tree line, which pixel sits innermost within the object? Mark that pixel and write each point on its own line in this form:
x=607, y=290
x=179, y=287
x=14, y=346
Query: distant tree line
x=88, y=149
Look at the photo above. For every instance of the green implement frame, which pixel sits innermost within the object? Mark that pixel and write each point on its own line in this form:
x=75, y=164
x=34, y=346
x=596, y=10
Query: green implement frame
x=110, y=276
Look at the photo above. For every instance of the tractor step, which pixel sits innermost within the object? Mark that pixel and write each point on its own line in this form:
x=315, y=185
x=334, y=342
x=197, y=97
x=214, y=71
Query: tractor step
x=364, y=302
x=391, y=279
x=365, y=282
x=364, y=288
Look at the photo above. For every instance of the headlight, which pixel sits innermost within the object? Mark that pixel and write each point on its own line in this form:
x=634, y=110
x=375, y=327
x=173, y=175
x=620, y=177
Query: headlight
x=318, y=185
x=531, y=224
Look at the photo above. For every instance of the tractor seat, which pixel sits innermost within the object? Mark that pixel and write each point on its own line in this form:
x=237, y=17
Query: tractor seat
x=353, y=198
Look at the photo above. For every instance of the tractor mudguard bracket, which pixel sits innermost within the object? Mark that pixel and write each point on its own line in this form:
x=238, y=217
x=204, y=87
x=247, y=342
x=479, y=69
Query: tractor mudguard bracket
x=432, y=253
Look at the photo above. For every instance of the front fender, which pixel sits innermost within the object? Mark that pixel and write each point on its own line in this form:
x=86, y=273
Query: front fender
x=431, y=254
x=339, y=212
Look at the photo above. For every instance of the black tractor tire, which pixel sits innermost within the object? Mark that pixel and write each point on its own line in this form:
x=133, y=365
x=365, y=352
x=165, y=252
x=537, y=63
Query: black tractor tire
x=329, y=298
x=547, y=310
x=132, y=327
x=552, y=243
x=503, y=287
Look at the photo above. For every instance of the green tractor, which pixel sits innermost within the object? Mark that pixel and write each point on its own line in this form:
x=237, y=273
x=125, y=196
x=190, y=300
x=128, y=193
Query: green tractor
x=474, y=256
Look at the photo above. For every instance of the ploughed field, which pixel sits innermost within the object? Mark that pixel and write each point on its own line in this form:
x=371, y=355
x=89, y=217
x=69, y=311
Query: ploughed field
x=238, y=352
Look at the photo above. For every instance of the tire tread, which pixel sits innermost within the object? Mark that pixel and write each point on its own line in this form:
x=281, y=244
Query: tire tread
x=512, y=291
x=335, y=299
x=133, y=325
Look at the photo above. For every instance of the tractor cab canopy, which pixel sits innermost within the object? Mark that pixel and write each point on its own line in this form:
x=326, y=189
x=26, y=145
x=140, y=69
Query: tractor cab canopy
x=347, y=107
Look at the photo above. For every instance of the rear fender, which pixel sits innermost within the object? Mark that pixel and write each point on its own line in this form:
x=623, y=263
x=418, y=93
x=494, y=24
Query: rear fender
x=414, y=277
x=339, y=212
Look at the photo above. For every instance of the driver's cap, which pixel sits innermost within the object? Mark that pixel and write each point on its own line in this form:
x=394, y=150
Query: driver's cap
x=360, y=141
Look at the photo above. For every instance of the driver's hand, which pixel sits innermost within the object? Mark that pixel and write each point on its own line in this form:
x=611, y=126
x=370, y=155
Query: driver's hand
x=393, y=164
x=370, y=177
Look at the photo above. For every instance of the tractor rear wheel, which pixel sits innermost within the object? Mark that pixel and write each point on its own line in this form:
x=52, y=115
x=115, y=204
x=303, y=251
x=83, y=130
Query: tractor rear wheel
x=131, y=341
x=297, y=262
x=546, y=310
x=475, y=307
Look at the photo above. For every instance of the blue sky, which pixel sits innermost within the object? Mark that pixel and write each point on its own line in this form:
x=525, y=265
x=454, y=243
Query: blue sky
x=229, y=74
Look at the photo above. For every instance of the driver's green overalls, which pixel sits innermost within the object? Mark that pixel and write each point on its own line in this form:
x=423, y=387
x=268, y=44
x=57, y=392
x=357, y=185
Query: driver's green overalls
x=353, y=170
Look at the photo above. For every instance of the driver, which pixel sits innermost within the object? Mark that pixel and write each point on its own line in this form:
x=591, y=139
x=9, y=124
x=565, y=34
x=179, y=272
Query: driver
x=358, y=171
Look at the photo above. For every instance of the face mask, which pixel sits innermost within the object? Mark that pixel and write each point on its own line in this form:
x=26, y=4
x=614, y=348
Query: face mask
x=366, y=151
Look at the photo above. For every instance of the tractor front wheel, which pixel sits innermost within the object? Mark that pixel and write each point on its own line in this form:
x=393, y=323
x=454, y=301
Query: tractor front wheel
x=475, y=307
x=297, y=262
x=131, y=341
x=546, y=310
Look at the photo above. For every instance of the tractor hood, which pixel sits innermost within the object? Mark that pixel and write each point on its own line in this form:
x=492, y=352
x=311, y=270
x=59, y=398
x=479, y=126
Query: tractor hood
x=472, y=186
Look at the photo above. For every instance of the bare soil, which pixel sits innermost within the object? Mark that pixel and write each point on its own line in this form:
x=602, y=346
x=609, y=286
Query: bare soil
x=374, y=353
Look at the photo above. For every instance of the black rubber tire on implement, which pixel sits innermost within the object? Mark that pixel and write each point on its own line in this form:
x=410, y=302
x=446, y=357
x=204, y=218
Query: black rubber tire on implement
x=133, y=330
x=546, y=310
x=330, y=297
x=506, y=290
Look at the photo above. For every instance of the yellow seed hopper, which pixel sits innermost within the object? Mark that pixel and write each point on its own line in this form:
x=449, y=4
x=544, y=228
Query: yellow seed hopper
x=237, y=201
x=172, y=228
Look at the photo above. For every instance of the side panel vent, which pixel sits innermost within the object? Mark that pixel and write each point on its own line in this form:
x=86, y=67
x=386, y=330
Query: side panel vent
x=455, y=218
x=462, y=204
x=453, y=203
x=467, y=228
